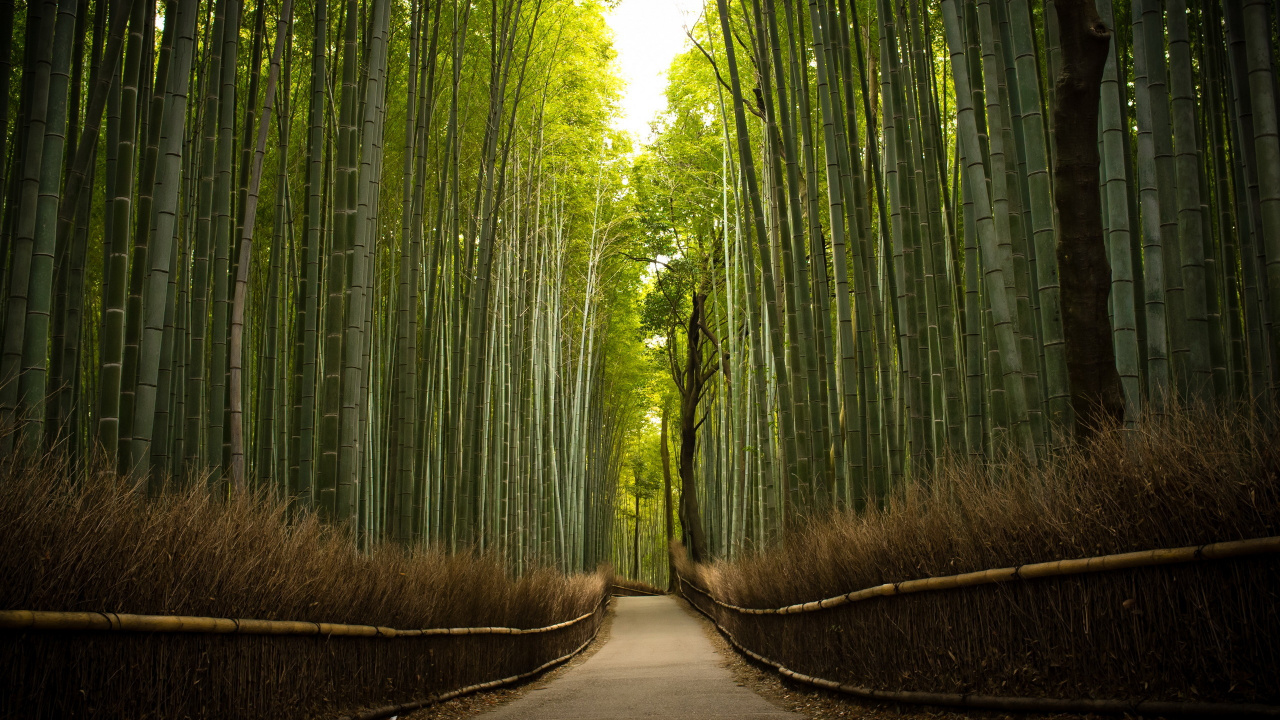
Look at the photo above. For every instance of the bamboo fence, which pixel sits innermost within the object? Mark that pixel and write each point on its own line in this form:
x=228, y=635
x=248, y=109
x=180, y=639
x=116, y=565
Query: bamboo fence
x=1017, y=704
x=299, y=667
x=1056, y=569
x=394, y=710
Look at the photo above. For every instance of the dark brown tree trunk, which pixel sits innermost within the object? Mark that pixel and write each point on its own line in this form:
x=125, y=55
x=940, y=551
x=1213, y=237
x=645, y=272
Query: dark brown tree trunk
x=635, y=559
x=666, y=487
x=1085, y=272
x=690, y=514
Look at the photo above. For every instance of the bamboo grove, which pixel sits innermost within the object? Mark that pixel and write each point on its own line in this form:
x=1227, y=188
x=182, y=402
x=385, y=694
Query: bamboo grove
x=878, y=257
x=358, y=254
x=387, y=258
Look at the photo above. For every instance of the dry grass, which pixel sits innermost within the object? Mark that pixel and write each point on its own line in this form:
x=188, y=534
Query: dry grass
x=1203, y=631
x=96, y=545
x=627, y=586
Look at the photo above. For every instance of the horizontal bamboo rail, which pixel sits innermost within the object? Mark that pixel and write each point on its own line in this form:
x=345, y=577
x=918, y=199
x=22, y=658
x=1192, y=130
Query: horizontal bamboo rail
x=394, y=710
x=52, y=620
x=1002, y=702
x=1054, y=568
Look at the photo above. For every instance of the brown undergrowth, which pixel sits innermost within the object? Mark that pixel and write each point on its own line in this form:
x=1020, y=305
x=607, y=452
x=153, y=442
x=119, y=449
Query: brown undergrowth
x=94, y=544
x=627, y=586
x=1204, y=631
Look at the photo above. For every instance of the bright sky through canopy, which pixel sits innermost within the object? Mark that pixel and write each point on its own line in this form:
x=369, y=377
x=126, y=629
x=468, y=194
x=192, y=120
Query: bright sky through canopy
x=648, y=34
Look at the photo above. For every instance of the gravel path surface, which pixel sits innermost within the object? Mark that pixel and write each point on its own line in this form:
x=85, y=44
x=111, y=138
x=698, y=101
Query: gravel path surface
x=658, y=663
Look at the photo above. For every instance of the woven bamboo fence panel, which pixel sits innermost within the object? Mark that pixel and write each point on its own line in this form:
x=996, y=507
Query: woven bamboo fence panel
x=109, y=665
x=1190, y=631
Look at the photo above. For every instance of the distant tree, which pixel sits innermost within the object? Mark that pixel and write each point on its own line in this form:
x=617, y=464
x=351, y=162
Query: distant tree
x=676, y=210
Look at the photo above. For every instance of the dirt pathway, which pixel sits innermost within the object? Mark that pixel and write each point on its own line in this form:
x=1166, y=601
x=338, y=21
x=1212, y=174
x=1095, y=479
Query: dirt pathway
x=657, y=663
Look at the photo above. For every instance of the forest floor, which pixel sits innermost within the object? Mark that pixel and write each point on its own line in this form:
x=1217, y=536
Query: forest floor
x=783, y=698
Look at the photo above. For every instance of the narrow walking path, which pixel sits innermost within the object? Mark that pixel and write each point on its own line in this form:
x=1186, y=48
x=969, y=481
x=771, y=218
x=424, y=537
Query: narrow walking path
x=657, y=663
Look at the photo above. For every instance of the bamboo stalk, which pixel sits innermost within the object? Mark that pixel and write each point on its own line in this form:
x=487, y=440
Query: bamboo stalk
x=246, y=255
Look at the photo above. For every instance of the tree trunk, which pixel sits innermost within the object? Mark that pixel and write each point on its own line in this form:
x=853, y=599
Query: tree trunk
x=635, y=558
x=690, y=514
x=1082, y=254
x=666, y=489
